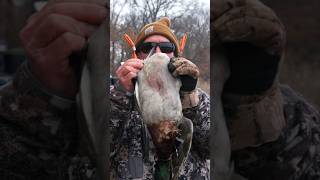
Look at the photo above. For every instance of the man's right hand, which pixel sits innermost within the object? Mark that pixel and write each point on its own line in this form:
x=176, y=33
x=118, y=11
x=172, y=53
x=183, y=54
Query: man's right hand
x=253, y=39
x=53, y=34
x=127, y=72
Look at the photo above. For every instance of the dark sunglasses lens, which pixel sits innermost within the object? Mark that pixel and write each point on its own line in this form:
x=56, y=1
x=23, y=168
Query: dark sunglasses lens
x=146, y=47
x=166, y=47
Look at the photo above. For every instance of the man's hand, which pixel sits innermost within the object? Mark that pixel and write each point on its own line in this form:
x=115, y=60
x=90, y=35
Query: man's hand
x=53, y=34
x=248, y=21
x=129, y=71
x=188, y=74
x=253, y=38
x=187, y=71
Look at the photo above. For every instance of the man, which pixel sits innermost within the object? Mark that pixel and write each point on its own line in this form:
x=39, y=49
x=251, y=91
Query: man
x=274, y=132
x=132, y=154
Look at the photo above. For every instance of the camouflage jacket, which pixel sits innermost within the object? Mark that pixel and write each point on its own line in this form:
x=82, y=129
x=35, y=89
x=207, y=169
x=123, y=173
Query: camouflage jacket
x=133, y=154
x=39, y=140
x=39, y=136
x=294, y=155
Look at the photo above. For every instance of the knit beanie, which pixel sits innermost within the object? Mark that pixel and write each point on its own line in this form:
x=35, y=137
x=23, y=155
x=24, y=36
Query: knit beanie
x=160, y=27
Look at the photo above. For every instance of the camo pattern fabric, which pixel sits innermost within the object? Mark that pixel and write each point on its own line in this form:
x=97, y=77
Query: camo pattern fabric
x=133, y=154
x=37, y=140
x=295, y=155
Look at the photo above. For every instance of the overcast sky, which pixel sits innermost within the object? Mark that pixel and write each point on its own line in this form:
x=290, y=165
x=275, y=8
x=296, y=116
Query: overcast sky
x=207, y=2
x=125, y=8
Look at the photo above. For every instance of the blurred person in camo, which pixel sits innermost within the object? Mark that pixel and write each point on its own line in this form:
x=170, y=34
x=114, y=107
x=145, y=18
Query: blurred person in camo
x=274, y=132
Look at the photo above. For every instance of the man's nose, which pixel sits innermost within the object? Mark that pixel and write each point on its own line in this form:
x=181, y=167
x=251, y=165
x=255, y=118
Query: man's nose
x=158, y=49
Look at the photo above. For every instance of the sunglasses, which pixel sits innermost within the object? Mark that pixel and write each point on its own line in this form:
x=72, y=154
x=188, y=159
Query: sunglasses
x=165, y=47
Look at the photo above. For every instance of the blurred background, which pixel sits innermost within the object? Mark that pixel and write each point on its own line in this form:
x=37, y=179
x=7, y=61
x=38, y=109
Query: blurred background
x=13, y=16
x=301, y=67
x=187, y=16
x=300, y=70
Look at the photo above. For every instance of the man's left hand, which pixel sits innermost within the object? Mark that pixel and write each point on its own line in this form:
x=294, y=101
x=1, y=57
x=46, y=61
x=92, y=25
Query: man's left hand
x=187, y=71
